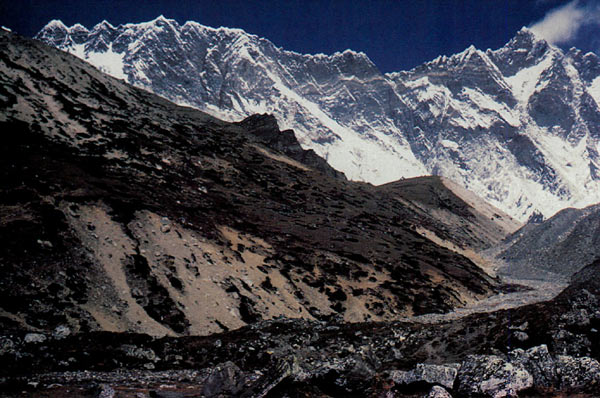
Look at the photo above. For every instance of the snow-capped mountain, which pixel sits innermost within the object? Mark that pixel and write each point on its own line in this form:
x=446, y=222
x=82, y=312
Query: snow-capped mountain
x=519, y=126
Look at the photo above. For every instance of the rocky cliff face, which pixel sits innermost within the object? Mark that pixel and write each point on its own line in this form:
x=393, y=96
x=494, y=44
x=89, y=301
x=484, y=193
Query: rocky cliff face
x=265, y=129
x=518, y=125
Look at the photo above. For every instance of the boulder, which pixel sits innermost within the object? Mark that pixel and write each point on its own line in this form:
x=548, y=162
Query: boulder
x=521, y=336
x=539, y=363
x=104, y=391
x=443, y=375
x=578, y=374
x=438, y=392
x=7, y=346
x=565, y=373
x=139, y=352
x=61, y=332
x=35, y=338
x=492, y=376
x=225, y=379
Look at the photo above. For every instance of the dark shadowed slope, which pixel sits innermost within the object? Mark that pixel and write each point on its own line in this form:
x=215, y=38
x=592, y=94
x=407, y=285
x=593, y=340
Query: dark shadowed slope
x=121, y=211
x=555, y=248
x=469, y=220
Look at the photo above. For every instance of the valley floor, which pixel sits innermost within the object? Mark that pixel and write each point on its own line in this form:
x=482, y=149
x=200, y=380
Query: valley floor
x=517, y=293
x=529, y=341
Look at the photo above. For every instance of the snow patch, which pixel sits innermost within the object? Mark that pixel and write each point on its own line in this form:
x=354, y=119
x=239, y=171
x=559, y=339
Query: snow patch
x=485, y=102
x=359, y=158
x=449, y=144
x=594, y=90
x=108, y=62
x=55, y=23
x=524, y=82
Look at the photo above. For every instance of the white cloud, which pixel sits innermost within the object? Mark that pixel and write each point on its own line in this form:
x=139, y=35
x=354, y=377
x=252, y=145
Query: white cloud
x=561, y=24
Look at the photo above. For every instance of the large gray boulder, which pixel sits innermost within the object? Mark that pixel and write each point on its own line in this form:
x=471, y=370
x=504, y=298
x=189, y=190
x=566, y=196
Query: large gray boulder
x=578, y=374
x=226, y=378
x=443, y=375
x=492, y=376
x=438, y=392
x=563, y=373
x=535, y=369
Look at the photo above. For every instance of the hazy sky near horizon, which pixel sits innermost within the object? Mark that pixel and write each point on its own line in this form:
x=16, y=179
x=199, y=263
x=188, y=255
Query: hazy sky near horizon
x=396, y=35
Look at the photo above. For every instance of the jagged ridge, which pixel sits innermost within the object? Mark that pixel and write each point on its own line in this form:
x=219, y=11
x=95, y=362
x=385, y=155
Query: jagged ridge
x=518, y=126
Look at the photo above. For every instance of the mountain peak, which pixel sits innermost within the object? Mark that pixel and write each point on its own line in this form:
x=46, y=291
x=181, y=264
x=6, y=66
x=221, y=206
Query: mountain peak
x=161, y=19
x=53, y=33
x=55, y=24
x=526, y=38
x=349, y=52
x=221, y=29
x=103, y=25
x=531, y=35
x=376, y=128
x=78, y=27
x=525, y=31
x=465, y=55
x=524, y=50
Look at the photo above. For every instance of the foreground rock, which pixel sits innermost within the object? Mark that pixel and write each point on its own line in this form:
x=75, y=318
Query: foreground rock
x=492, y=376
x=429, y=374
x=529, y=372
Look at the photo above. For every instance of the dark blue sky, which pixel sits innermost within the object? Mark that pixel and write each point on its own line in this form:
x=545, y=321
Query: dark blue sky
x=396, y=35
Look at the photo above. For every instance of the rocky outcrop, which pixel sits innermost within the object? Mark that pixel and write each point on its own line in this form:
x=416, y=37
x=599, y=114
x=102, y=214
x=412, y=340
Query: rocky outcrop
x=266, y=131
x=532, y=372
x=426, y=373
x=474, y=356
x=438, y=392
x=560, y=373
x=492, y=376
